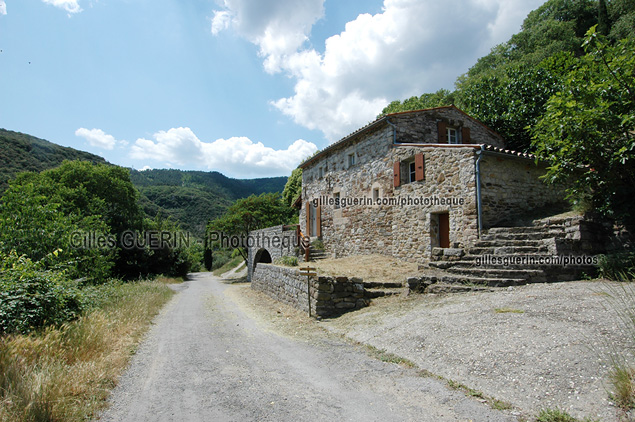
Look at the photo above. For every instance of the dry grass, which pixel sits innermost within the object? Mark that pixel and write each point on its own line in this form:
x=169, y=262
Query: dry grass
x=66, y=373
x=368, y=267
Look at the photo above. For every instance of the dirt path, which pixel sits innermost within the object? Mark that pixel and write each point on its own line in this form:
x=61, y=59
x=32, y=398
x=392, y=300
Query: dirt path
x=211, y=358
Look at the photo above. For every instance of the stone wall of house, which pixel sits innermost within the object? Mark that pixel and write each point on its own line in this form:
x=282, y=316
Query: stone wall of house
x=449, y=187
x=353, y=229
x=330, y=296
x=275, y=240
x=422, y=127
x=511, y=186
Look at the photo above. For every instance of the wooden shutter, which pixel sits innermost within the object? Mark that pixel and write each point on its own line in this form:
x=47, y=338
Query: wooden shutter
x=419, y=167
x=465, y=135
x=396, y=169
x=443, y=132
x=318, y=221
x=308, y=218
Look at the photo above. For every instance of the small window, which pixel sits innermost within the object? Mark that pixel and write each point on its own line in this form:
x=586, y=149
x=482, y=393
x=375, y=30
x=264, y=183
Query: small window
x=375, y=195
x=336, y=197
x=351, y=160
x=453, y=137
x=320, y=172
x=412, y=171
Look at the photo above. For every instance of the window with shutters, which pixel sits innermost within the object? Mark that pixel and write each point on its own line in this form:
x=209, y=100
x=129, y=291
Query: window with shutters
x=410, y=170
x=452, y=134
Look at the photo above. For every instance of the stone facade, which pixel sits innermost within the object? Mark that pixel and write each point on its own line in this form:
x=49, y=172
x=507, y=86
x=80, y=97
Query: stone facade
x=330, y=296
x=427, y=187
x=511, y=185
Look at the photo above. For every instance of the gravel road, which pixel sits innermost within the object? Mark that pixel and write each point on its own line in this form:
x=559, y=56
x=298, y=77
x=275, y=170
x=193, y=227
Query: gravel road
x=214, y=356
x=536, y=346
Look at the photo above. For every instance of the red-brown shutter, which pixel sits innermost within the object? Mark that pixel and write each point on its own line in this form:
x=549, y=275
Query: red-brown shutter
x=396, y=169
x=308, y=219
x=419, y=167
x=465, y=135
x=318, y=221
x=443, y=132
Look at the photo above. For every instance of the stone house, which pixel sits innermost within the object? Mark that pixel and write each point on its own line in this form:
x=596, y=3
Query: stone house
x=413, y=181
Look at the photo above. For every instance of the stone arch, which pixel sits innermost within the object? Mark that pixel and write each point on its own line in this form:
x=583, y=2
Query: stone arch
x=262, y=255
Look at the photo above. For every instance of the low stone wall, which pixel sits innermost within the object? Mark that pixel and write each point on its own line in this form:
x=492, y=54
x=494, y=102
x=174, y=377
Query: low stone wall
x=330, y=296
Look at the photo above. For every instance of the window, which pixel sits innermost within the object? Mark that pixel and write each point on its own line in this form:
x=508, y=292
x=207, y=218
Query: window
x=408, y=171
x=375, y=195
x=320, y=172
x=351, y=160
x=412, y=170
x=336, y=197
x=453, y=137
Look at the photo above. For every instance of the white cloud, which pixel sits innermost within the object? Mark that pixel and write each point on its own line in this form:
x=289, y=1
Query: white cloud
x=3, y=7
x=278, y=27
x=237, y=155
x=99, y=139
x=71, y=6
x=411, y=47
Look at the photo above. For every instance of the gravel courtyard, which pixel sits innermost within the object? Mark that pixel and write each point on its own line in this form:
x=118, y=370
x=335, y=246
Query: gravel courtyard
x=536, y=346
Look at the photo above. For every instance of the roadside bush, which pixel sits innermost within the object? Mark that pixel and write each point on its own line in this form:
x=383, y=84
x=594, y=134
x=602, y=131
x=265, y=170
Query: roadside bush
x=220, y=258
x=288, y=261
x=617, y=266
x=32, y=298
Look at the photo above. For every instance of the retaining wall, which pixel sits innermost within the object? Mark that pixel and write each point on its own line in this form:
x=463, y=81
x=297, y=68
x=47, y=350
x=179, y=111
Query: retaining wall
x=330, y=296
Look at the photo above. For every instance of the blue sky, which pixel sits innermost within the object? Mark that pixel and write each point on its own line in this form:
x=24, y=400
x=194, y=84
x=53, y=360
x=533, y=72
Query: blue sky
x=245, y=87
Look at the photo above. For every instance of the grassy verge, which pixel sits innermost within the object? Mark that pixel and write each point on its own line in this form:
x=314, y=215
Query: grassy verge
x=66, y=373
x=233, y=263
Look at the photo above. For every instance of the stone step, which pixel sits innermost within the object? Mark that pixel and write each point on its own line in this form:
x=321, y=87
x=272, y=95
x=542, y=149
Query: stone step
x=382, y=292
x=381, y=285
x=507, y=250
x=525, y=229
x=507, y=242
x=441, y=288
x=521, y=236
x=449, y=278
x=506, y=273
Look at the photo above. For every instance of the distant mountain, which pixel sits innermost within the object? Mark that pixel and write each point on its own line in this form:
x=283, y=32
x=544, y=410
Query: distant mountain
x=193, y=197
x=20, y=152
x=188, y=197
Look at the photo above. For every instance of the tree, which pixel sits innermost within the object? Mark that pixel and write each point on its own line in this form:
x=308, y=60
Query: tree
x=53, y=210
x=35, y=225
x=252, y=213
x=622, y=19
x=586, y=133
x=442, y=97
x=293, y=187
x=512, y=101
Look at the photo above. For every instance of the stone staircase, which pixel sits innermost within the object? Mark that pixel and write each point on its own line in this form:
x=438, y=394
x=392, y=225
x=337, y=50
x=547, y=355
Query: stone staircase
x=506, y=256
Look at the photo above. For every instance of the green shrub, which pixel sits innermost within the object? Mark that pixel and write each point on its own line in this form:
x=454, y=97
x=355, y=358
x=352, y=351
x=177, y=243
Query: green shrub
x=288, y=261
x=31, y=297
x=317, y=244
x=617, y=266
x=220, y=258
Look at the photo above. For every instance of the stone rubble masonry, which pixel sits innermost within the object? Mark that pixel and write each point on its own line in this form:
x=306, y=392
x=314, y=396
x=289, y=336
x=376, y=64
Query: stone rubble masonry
x=422, y=127
x=330, y=296
x=510, y=186
x=260, y=240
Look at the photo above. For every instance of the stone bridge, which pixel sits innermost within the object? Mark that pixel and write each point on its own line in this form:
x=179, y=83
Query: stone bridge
x=268, y=244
